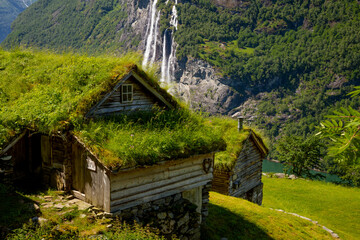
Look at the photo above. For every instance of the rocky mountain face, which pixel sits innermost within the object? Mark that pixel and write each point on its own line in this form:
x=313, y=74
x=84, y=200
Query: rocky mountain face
x=202, y=88
x=9, y=10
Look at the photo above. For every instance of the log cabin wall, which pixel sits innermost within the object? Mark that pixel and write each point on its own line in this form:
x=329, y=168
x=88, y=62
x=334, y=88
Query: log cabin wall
x=141, y=185
x=246, y=179
x=221, y=181
x=142, y=100
x=172, y=196
x=90, y=179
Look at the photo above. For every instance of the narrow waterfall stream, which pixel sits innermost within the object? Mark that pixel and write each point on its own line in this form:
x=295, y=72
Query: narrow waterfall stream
x=168, y=44
x=169, y=57
x=151, y=38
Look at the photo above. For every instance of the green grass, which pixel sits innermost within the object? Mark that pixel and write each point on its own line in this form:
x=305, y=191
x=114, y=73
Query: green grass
x=235, y=218
x=47, y=92
x=150, y=137
x=333, y=206
x=234, y=139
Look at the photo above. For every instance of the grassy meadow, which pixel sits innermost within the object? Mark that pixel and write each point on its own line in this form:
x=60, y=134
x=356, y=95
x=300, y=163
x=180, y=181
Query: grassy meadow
x=334, y=206
x=235, y=218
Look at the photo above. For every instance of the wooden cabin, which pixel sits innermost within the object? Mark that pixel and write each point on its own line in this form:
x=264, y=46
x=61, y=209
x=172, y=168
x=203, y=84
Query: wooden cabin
x=244, y=178
x=170, y=195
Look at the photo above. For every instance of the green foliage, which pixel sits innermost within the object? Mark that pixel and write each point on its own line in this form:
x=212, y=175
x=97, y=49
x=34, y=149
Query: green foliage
x=54, y=231
x=150, y=137
x=343, y=131
x=300, y=155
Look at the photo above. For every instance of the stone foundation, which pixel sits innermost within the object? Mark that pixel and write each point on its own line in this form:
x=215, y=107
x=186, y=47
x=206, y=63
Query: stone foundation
x=172, y=216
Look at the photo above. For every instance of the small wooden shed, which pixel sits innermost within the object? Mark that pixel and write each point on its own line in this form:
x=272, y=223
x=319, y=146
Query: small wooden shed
x=171, y=195
x=244, y=178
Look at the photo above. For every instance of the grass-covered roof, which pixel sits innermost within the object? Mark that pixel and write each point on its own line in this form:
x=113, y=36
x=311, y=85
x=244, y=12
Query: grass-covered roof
x=46, y=92
x=234, y=139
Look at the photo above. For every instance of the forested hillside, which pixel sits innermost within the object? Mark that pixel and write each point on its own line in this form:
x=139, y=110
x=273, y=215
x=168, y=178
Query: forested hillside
x=291, y=62
x=9, y=9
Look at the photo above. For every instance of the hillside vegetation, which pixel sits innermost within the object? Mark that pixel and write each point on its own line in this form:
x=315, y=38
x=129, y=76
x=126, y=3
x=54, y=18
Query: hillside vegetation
x=293, y=60
x=333, y=206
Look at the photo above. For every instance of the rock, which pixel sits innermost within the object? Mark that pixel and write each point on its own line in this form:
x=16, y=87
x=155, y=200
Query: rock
x=292, y=176
x=83, y=205
x=177, y=197
x=183, y=220
x=47, y=204
x=82, y=215
x=100, y=215
x=280, y=175
x=109, y=226
x=39, y=220
x=48, y=198
x=201, y=87
x=159, y=201
x=108, y=215
x=161, y=215
x=59, y=206
x=69, y=197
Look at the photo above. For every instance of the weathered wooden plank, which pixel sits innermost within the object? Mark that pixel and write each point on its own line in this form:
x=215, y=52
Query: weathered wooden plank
x=154, y=178
x=170, y=165
x=156, y=196
x=153, y=185
x=180, y=184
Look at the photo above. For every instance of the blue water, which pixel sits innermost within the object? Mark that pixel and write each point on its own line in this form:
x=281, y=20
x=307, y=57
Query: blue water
x=274, y=167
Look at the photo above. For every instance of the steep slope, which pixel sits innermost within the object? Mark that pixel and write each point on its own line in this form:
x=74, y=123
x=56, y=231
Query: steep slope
x=9, y=9
x=284, y=64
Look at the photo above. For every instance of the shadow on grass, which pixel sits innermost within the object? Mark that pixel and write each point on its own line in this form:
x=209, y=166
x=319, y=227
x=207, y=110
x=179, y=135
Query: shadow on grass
x=15, y=208
x=222, y=223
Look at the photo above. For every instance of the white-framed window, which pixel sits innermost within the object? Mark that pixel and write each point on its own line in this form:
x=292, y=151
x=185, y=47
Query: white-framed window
x=126, y=93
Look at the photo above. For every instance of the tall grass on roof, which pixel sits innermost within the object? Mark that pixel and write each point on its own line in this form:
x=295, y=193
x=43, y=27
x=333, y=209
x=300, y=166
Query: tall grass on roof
x=145, y=138
x=42, y=91
x=234, y=139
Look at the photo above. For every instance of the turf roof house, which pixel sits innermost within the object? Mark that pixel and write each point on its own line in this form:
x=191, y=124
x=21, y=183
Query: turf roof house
x=173, y=193
x=241, y=177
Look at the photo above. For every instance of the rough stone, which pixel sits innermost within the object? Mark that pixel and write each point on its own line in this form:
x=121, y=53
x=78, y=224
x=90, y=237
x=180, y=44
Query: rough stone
x=280, y=175
x=183, y=220
x=161, y=215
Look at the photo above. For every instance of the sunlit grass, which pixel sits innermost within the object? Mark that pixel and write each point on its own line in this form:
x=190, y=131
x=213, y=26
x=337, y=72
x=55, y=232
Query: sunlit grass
x=235, y=218
x=333, y=206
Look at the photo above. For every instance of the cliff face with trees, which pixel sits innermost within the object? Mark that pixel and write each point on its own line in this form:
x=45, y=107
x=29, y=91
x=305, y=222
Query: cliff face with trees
x=283, y=64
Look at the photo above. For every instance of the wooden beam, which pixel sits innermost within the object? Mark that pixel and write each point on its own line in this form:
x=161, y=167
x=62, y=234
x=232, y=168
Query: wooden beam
x=12, y=143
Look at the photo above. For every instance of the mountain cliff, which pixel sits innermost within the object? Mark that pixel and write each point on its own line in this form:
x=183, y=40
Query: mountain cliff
x=282, y=64
x=9, y=9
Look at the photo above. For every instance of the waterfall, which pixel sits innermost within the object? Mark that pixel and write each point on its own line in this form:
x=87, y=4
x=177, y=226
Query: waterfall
x=155, y=37
x=151, y=38
x=168, y=58
x=25, y=3
x=169, y=47
x=163, y=64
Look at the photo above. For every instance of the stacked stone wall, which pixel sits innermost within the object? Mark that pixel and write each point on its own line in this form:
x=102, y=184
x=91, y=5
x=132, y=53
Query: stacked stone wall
x=171, y=216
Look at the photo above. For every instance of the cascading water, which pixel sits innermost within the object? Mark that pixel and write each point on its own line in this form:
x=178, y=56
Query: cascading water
x=168, y=58
x=169, y=48
x=152, y=35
